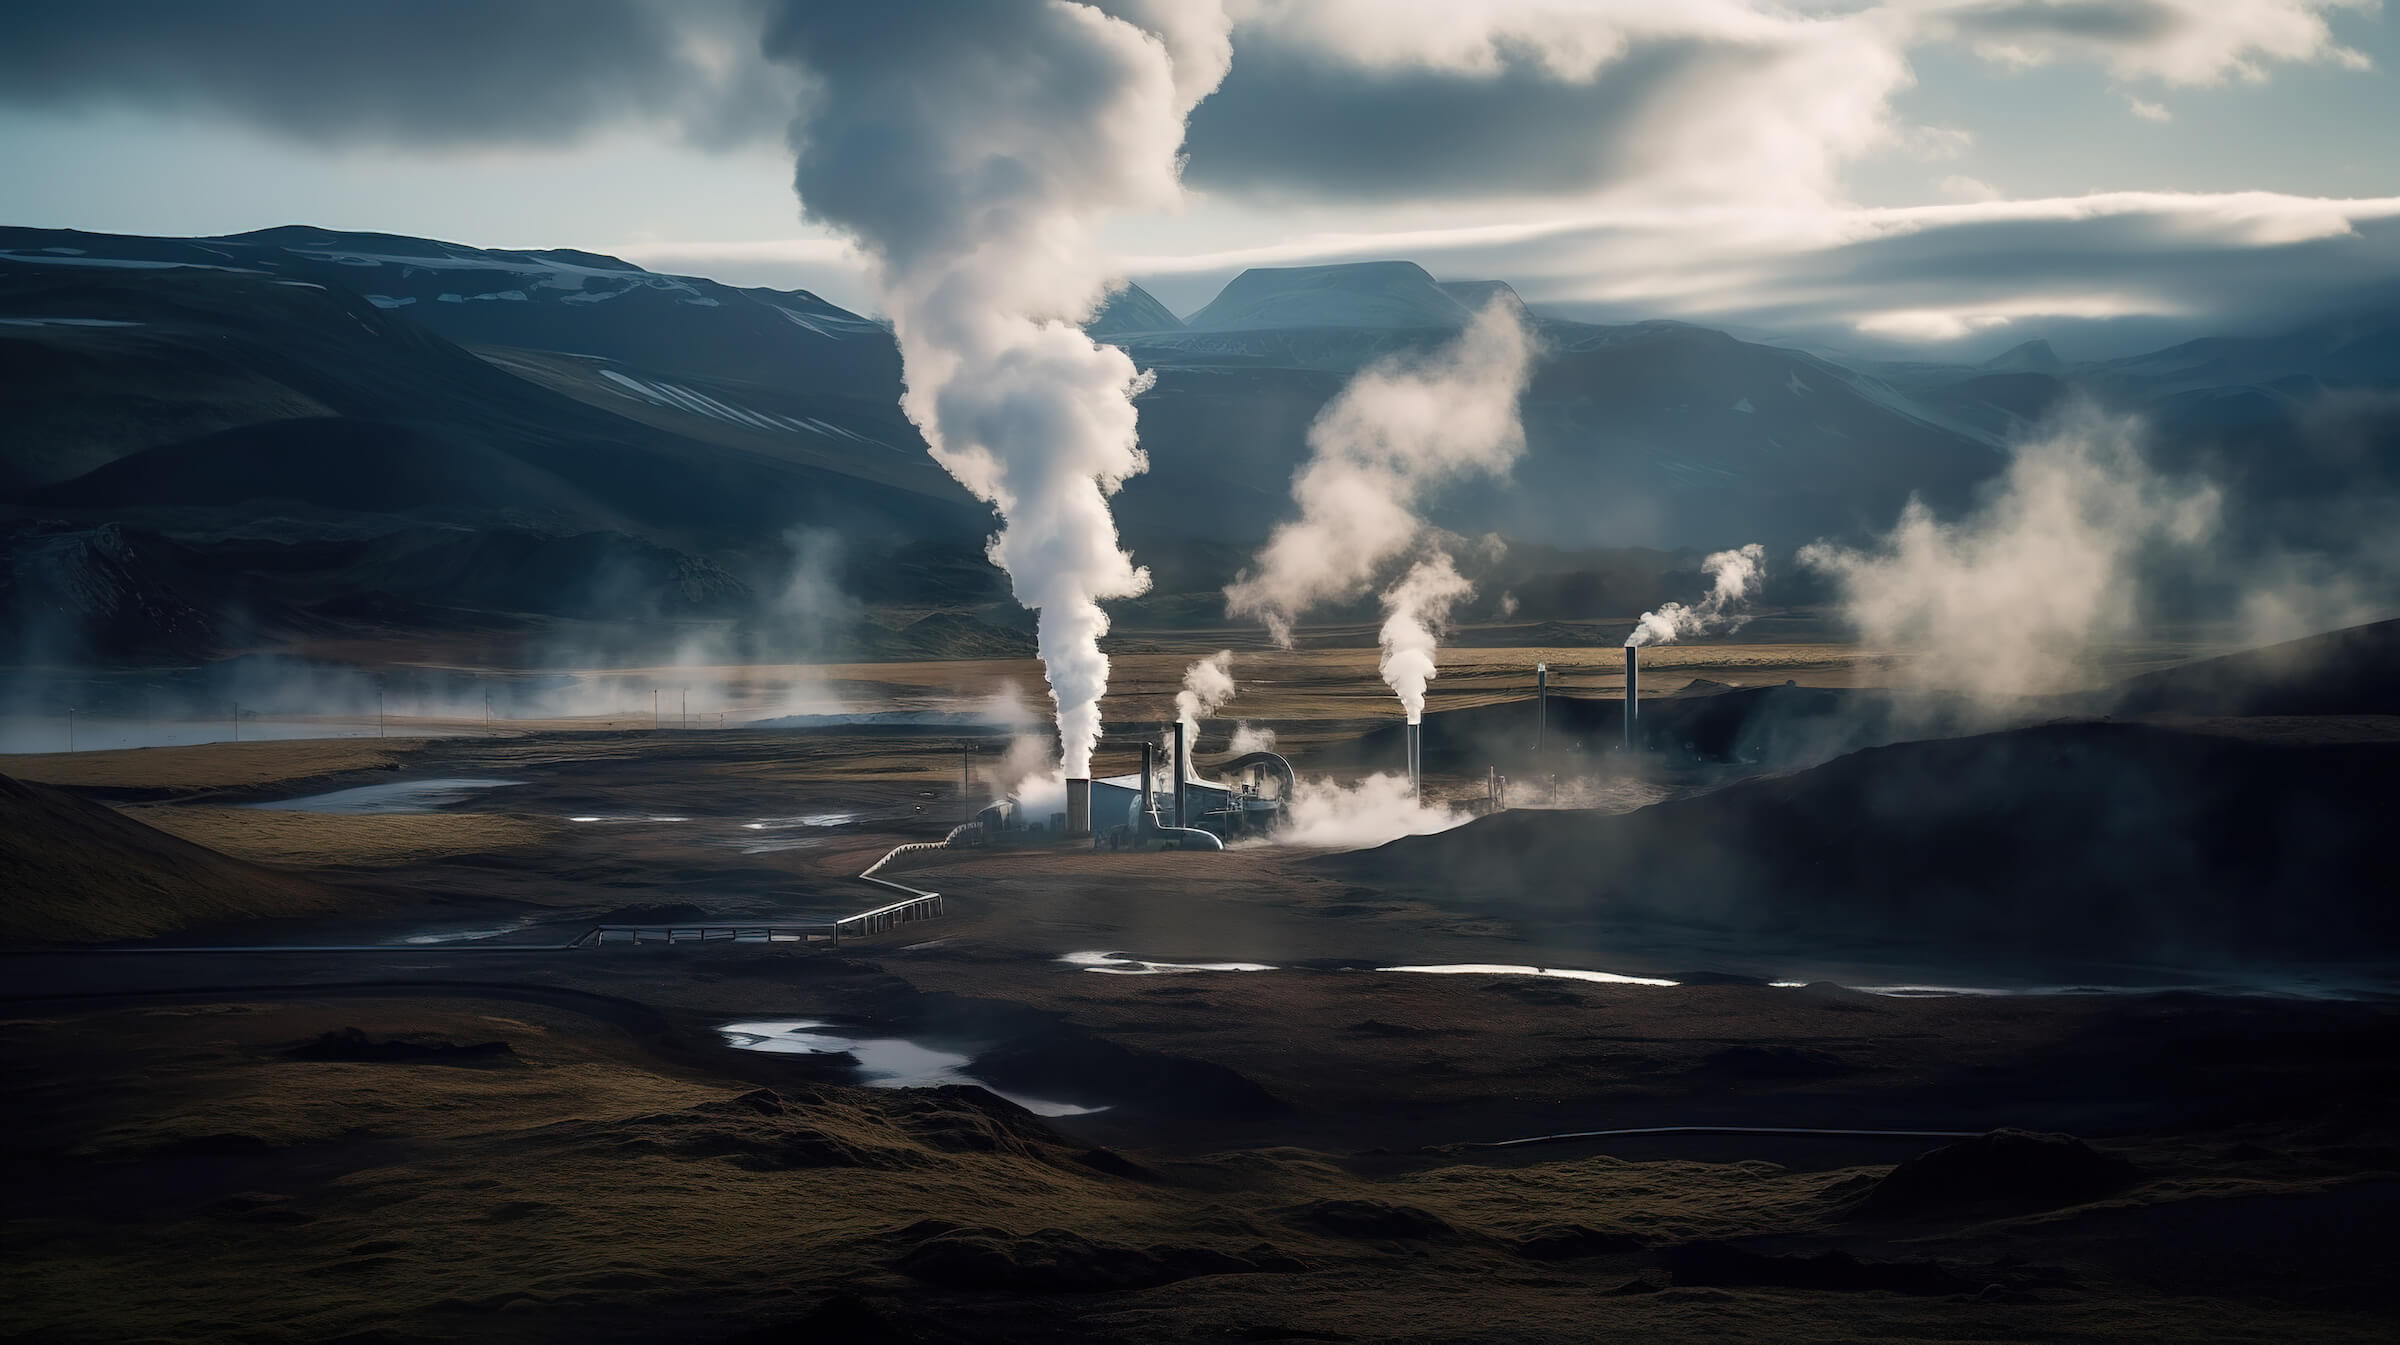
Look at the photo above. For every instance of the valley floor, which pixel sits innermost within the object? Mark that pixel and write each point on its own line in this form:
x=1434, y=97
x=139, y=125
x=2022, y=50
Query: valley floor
x=428, y=1143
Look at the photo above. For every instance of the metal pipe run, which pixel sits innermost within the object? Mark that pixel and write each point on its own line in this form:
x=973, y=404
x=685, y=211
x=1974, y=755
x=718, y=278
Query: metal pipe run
x=1633, y=692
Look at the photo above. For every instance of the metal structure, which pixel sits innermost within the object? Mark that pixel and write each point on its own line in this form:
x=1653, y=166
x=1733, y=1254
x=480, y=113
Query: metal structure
x=1633, y=692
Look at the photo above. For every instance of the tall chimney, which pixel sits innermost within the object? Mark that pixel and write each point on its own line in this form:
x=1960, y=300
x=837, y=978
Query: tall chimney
x=1182, y=768
x=1079, y=808
x=1541, y=704
x=1633, y=691
x=1149, y=768
x=1412, y=738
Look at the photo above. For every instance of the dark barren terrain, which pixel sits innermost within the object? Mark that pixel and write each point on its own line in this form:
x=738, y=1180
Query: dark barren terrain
x=2184, y=1138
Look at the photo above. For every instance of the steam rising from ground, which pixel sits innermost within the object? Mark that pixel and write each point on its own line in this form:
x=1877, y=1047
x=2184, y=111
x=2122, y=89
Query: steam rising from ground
x=1400, y=428
x=1207, y=685
x=1417, y=610
x=1369, y=812
x=1248, y=738
x=969, y=151
x=2022, y=595
x=1733, y=576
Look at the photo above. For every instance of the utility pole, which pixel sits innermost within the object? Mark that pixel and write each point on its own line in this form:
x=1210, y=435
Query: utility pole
x=487, y=711
x=966, y=799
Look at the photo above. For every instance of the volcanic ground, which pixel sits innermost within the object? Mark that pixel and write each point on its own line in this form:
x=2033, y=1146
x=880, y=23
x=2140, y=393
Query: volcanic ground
x=444, y=1139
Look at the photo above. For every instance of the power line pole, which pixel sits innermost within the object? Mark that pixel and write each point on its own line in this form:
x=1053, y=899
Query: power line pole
x=966, y=797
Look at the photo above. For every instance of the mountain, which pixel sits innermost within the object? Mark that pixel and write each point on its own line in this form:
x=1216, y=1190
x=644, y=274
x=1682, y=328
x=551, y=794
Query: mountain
x=1132, y=309
x=300, y=388
x=1392, y=295
x=549, y=300
x=2033, y=357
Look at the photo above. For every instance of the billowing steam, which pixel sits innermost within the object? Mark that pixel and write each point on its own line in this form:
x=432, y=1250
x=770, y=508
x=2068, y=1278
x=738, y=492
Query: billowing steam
x=969, y=151
x=1249, y=737
x=2022, y=595
x=1399, y=428
x=1417, y=609
x=1367, y=812
x=1733, y=576
x=1207, y=685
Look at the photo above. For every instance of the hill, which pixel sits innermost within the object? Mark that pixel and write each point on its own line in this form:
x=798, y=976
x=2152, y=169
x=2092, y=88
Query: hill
x=2037, y=851
x=73, y=871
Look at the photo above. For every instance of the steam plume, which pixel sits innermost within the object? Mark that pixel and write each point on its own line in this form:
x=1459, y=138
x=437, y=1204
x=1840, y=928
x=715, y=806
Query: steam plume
x=1417, y=609
x=2022, y=594
x=1399, y=428
x=1732, y=574
x=969, y=151
x=1207, y=685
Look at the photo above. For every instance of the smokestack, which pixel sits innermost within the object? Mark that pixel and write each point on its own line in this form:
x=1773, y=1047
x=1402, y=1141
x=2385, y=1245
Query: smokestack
x=1182, y=768
x=1633, y=691
x=1149, y=767
x=1079, y=808
x=1541, y=704
x=1413, y=741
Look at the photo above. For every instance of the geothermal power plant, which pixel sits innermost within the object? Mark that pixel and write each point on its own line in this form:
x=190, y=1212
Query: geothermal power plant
x=1178, y=808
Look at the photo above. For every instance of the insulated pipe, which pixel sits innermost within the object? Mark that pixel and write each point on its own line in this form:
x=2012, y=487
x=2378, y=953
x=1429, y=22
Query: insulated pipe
x=1633, y=691
x=1183, y=768
x=1079, y=808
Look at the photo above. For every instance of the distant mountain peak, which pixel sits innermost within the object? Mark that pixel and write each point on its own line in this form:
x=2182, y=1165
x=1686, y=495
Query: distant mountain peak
x=1130, y=309
x=1383, y=294
x=2032, y=357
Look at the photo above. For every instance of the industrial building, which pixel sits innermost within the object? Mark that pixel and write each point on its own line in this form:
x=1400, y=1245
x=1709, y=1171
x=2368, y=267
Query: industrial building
x=1176, y=809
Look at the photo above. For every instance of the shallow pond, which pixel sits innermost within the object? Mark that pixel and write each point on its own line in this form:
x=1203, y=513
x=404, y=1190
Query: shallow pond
x=397, y=796
x=883, y=1062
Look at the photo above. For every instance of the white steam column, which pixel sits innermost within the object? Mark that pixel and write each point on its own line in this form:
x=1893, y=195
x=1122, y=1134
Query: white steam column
x=1633, y=691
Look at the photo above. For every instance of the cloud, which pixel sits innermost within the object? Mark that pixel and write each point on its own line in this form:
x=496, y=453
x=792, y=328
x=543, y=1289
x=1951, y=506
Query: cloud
x=415, y=73
x=1427, y=99
x=2183, y=42
x=2148, y=111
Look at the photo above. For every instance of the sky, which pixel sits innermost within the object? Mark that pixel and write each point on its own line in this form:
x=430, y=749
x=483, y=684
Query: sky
x=1935, y=178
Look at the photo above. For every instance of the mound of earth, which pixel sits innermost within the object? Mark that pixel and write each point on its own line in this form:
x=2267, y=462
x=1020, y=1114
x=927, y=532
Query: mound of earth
x=1056, y=1261
x=1373, y=1219
x=353, y=1044
x=2344, y=672
x=73, y=871
x=1721, y=1265
x=2200, y=843
x=2006, y=1169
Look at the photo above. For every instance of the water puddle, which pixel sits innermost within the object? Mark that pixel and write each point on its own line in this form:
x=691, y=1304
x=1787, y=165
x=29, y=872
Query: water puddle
x=1118, y=964
x=397, y=796
x=1561, y=973
x=883, y=1062
x=596, y=817
x=772, y=835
